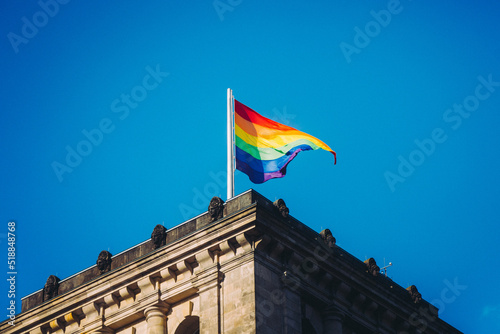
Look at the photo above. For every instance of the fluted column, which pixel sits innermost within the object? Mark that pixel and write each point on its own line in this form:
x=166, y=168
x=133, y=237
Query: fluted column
x=156, y=320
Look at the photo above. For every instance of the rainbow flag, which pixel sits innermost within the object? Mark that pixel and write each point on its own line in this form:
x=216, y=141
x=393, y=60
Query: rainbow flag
x=264, y=147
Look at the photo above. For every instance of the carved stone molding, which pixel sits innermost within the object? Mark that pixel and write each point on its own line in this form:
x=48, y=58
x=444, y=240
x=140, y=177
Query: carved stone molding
x=159, y=310
x=51, y=288
x=414, y=294
x=71, y=318
x=216, y=208
x=282, y=208
x=371, y=267
x=147, y=285
x=103, y=330
x=111, y=300
x=205, y=259
x=91, y=312
x=158, y=236
x=226, y=247
x=244, y=242
x=263, y=241
x=104, y=261
x=37, y=330
x=168, y=274
x=126, y=293
x=56, y=325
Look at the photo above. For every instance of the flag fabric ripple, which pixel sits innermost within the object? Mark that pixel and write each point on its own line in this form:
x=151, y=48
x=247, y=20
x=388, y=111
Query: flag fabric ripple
x=264, y=147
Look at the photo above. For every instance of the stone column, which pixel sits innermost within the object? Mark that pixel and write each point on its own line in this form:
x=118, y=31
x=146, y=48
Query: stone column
x=156, y=319
x=332, y=320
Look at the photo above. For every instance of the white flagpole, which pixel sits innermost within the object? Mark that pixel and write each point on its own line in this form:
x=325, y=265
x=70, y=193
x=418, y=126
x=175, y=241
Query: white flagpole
x=230, y=146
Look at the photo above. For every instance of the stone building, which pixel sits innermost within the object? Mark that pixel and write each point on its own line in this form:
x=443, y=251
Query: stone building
x=245, y=266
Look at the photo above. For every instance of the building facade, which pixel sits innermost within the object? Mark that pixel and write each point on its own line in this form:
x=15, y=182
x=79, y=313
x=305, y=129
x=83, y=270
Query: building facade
x=245, y=266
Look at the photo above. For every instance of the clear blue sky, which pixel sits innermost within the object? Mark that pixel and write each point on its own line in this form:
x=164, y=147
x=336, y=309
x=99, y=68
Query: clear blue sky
x=407, y=93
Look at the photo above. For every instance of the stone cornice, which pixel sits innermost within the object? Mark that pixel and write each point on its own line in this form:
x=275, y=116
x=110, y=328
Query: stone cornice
x=194, y=259
x=135, y=286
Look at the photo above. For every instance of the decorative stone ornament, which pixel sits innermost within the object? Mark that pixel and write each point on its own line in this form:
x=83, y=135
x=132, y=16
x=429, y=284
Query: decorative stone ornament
x=158, y=236
x=51, y=288
x=371, y=267
x=414, y=294
x=282, y=208
x=328, y=238
x=216, y=208
x=104, y=261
